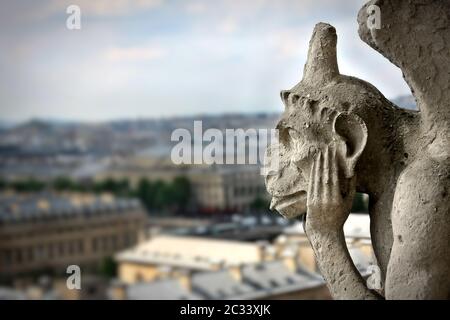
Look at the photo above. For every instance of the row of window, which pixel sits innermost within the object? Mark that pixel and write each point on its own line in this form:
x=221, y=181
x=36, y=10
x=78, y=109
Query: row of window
x=239, y=191
x=135, y=223
x=249, y=191
x=64, y=249
x=44, y=216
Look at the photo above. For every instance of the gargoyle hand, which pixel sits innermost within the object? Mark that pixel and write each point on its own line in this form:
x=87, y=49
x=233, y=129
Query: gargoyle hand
x=327, y=209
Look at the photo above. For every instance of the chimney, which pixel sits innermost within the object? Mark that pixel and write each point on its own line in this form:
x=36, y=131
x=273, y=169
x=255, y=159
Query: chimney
x=262, y=248
x=119, y=291
x=62, y=291
x=217, y=265
x=289, y=259
x=306, y=257
x=270, y=253
x=184, y=278
x=35, y=293
x=279, y=245
x=43, y=204
x=236, y=272
x=142, y=235
x=107, y=198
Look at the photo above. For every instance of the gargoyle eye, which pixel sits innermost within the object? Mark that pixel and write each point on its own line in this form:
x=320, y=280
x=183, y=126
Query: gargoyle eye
x=294, y=98
x=294, y=134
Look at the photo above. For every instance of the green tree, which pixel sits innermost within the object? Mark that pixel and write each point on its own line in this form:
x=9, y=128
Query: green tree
x=145, y=191
x=181, y=192
x=117, y=187
x=28, y=185
x=259, y=204
x=123, y=187
x=108, y=267
x=163, y=195
x=63, y=184
x=82, y=187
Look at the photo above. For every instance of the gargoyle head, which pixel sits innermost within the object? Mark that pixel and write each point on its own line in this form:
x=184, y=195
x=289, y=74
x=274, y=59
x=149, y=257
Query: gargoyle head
x=324, y=109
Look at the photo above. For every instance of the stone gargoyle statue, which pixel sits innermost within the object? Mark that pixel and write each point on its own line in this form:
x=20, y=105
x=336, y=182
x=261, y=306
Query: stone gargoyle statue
x=339, y=135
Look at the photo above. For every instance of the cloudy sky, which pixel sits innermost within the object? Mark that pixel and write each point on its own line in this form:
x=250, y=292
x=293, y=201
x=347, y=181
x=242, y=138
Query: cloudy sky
x=157, y=58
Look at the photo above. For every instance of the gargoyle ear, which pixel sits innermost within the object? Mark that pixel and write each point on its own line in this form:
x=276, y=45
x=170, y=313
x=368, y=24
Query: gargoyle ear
x=353, y=131
x=284, y=94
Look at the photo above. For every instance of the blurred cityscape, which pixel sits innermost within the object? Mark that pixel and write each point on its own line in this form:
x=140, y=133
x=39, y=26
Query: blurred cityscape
x=107, y=198
x=94, y=208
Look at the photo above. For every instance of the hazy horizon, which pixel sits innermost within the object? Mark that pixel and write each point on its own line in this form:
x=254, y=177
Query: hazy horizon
x=150, y=117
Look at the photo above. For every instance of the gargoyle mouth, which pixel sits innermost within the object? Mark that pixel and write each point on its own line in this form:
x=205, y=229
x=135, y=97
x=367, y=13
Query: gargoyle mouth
x=280, y=203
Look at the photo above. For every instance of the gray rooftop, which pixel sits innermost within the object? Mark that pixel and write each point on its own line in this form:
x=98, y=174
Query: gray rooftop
x=275, y=274
x=219, y=285
x=11, y=294
x=258, y=281
x=160, y=290
x=18, y=208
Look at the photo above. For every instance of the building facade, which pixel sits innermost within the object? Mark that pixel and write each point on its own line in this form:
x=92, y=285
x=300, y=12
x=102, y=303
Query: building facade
x=214, y=188
x=50, y=232
x=227, y=188
x=167, y=255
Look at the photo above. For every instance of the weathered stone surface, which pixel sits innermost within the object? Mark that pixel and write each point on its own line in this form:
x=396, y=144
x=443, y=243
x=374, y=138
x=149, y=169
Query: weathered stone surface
x=339, y=134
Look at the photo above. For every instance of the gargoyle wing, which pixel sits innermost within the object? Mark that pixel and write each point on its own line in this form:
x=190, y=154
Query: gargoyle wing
x=415, y=36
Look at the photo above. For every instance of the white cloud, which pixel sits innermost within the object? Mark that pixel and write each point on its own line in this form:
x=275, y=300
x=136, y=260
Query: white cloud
x=135, y=54
x=290, y=42
x=116, y=7
x=95, y=7
x=196, y=7
x=229, y=25
x=222, y=55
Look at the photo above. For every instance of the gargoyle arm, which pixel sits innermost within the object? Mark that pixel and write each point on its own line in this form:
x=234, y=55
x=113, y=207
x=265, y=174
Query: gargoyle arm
x=336, y=266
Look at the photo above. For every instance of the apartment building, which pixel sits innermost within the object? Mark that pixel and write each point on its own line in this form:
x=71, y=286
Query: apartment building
x=52, y=231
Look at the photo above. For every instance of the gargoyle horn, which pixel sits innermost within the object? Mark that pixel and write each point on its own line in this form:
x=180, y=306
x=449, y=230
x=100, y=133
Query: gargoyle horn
x=321, y=65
